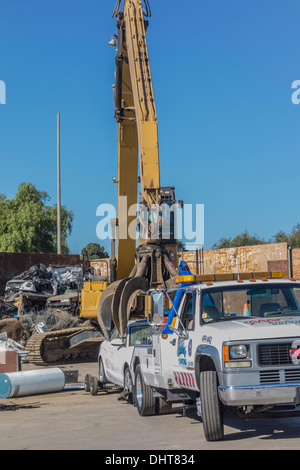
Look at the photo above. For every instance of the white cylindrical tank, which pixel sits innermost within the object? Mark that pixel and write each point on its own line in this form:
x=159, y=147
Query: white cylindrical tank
x=31, y=382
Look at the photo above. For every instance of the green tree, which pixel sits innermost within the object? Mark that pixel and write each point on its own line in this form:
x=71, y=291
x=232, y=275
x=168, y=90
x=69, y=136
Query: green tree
x=29, y=224
x=280, y=237
x=94, y=251
x=222, y=243
x=181, y=246
x=244, y=239
x=294, y=237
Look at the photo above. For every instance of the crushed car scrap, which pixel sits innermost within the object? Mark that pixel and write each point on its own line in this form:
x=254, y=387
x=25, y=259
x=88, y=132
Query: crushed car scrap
x=42, y=307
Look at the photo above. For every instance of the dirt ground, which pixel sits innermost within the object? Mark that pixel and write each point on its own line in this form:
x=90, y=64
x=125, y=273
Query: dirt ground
x=75, y=420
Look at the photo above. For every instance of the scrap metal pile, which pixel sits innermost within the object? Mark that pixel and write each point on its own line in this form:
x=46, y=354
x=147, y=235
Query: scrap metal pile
x=45, y=301
x=55, y=286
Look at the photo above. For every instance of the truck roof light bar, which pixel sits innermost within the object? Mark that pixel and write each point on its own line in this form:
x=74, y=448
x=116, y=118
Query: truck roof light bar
x=230, y=277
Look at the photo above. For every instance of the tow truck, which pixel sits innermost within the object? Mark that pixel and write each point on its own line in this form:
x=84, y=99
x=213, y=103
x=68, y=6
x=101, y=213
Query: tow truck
x=229, y=341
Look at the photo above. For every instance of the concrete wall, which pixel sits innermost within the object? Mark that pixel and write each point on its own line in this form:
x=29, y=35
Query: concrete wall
x=296, y=262
x=12, y=264
x=268, y=257
x=265, y=257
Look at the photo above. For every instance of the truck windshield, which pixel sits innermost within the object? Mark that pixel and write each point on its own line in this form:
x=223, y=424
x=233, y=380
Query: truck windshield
x=140, y=334
x=238, y=302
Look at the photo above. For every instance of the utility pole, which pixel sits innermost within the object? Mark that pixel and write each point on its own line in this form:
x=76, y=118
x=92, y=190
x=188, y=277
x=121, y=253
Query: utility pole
x=58, y=188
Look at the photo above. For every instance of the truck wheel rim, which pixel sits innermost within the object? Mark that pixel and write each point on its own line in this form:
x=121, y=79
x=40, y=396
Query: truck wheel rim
x=139, y=393
x=128, y=382
x=101, y=372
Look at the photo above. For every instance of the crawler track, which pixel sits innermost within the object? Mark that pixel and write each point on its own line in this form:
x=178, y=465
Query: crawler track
x=62, y=345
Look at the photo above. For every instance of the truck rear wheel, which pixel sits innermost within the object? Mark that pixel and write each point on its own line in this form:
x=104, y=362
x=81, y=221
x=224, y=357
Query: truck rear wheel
x=87, y=382
x=94, y=384
x=210, y=406
x=163, y=407
x=144, y=399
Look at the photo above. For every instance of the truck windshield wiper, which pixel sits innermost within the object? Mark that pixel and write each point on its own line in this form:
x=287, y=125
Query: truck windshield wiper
x=237, y=317
x=283, y=312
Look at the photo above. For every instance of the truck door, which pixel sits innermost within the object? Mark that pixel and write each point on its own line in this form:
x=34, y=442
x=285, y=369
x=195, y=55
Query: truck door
x=177, y=352
x=115, y=359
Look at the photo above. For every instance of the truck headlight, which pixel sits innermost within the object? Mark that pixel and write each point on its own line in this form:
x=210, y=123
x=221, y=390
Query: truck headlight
x=234, y=356
x=239, y=351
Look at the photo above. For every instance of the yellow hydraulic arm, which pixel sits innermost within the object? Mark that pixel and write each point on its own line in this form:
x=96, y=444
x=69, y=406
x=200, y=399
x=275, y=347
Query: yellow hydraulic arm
x=145, y=110
x=138, y=158
x=136, y=101
x=137, y=118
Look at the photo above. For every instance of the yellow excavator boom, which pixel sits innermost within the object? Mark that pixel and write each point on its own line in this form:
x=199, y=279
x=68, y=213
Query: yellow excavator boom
x=136, y=270
x=138, y=134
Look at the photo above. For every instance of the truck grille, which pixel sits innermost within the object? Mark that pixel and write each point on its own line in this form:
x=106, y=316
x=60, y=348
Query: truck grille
x=274, y=354
x=269, y=376
x=279, y=376
x=292, y=375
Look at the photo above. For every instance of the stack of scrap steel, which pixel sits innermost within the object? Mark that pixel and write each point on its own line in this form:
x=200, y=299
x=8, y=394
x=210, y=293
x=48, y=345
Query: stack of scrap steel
x=40, y=286
x=45, y=304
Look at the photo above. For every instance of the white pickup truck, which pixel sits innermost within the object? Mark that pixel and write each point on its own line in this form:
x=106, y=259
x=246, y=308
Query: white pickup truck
x=226, y=343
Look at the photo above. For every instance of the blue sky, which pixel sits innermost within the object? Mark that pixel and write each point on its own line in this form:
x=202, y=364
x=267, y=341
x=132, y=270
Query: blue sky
x=222, y=70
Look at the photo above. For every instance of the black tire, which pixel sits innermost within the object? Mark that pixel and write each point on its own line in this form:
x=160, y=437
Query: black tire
x=211, y=408
x=102, y=376
x=94, y=386
x=87, y=382
x=128, y=385
x=144, y=399
x=163, y=407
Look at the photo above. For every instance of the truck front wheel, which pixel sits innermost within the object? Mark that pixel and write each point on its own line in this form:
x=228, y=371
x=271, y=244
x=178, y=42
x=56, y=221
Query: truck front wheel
x=144, y=399
x=210, y=407
x=102, y=376
x=128, y=385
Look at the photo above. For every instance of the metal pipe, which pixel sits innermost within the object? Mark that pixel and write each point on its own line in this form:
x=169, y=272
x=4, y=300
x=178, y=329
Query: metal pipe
x=31, y=382
x=58, y=189
x=119, y=73
x=141, y=269
x=170, y=266
x=113, y=224
x=133, y=271
x=290, y=260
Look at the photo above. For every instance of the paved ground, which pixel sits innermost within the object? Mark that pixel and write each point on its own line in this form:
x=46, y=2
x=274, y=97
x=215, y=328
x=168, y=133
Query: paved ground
x=74, y=419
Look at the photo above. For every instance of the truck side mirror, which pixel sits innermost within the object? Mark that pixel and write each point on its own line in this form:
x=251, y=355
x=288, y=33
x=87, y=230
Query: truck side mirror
x=157, y=308
x=117, y=342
